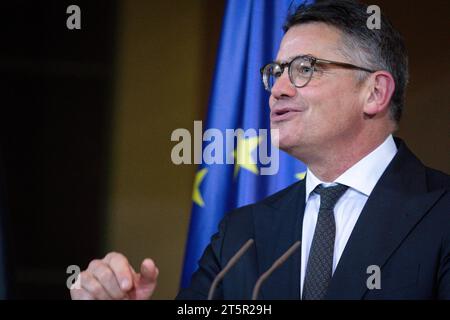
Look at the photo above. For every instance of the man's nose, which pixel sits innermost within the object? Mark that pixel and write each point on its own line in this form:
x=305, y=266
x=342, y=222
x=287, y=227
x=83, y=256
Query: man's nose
x=283, y=87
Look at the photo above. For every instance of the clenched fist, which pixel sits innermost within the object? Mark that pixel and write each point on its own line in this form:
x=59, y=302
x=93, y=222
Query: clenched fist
x=114, y=278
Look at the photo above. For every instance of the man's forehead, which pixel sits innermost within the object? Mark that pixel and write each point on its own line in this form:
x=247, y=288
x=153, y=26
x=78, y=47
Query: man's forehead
x=315, y=39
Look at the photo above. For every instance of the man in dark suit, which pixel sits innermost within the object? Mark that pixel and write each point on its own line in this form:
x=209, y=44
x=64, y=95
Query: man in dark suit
x=404, y=229
x=373, y=221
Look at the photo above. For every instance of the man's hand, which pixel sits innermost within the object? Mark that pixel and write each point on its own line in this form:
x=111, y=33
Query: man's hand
x=114, y=278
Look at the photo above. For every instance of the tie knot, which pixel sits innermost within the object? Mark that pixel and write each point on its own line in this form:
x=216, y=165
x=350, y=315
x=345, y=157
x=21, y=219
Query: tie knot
x=330, y=195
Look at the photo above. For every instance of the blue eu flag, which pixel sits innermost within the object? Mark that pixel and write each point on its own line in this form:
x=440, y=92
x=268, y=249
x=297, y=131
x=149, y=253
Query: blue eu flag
x=251, y=34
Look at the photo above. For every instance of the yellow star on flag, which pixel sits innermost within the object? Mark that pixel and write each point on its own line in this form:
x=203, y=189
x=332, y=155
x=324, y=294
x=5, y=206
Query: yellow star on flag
x=300, y=175
x=196, y=195
x=243, y=154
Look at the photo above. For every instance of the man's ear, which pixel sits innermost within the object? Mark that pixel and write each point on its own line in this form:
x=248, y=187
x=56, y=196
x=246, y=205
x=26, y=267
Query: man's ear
x=380, y=89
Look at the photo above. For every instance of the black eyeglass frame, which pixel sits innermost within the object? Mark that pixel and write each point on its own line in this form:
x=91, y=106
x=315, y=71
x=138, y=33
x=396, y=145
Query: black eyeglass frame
x=313, y=60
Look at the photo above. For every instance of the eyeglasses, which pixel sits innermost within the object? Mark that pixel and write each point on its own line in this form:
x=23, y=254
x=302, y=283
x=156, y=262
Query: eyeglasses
x=300, y=70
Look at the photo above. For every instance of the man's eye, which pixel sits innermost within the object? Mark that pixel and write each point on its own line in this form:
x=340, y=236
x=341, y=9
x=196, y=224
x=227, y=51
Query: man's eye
x=305, y=70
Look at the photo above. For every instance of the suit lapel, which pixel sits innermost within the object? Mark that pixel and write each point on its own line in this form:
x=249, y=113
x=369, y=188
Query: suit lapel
x=397, y=204
x=277, y=227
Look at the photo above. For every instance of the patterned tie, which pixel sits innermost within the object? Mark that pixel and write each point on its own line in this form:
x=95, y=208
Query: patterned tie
x=320, y=262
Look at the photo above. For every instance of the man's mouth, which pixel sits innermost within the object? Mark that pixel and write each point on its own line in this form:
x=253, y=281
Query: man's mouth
x=282, y=114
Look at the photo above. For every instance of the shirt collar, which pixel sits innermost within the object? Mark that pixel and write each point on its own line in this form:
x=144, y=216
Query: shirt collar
x=364, y=174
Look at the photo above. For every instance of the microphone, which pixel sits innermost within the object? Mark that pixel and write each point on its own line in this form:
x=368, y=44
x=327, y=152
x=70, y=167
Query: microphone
x=274, y=266
x=229, y=265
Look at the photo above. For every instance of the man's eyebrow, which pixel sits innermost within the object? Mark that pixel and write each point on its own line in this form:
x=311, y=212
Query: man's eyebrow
x=285, y=61
x=292, y=58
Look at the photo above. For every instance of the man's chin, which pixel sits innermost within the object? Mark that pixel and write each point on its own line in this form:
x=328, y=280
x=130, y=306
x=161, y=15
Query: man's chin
x=283, y=138
x=287, y=144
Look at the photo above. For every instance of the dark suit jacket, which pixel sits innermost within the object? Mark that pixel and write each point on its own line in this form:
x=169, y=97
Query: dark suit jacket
x=404, y=228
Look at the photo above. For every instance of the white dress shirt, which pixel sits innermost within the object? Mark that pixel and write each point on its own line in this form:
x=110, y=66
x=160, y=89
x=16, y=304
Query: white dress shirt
x=361, y=178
